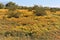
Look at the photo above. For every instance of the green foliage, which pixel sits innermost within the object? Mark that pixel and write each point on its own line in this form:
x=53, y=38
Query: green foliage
x=47, y=8
x=13, y=14
x=52, y=9
x=30, y=8
x=16, y=33
x=1, y=6
x=39, y=11
x=11, y=6
x=6, y=34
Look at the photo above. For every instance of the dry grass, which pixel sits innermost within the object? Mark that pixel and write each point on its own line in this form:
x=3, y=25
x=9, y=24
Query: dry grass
x=31, y=27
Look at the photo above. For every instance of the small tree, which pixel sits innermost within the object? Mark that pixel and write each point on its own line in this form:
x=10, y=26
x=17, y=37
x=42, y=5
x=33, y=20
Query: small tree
x=1, y=6
x=13, y=14
x=11, y=6
x=52, y=9
x=39, y=11
x=30, y=8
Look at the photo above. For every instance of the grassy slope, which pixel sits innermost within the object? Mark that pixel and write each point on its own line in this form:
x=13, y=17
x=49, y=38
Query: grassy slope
x=32, y=27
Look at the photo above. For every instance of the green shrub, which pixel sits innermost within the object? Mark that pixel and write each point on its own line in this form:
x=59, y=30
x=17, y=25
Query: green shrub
x=39, y=10
x=1, y=6
x=6, y=34
x=12, y=14
x=53, y=10
x=40, y=13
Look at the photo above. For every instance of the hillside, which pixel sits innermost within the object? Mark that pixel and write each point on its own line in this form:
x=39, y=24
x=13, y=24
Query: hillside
x=30, y=27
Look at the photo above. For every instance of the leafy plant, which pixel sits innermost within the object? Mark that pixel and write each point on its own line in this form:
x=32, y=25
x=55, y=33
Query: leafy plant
x=13, y=14
x=39, y=11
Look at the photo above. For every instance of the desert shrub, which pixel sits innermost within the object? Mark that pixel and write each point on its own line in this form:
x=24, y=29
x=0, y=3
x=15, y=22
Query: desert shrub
x=39, y=11
x=52, y=9
x=11, y=6
x=1, y=6
x=26, y=16
x=16, y=15
x=29, y=8
x=7, y=33
x=12, y=14
x=24, y=24
x=14, y=33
